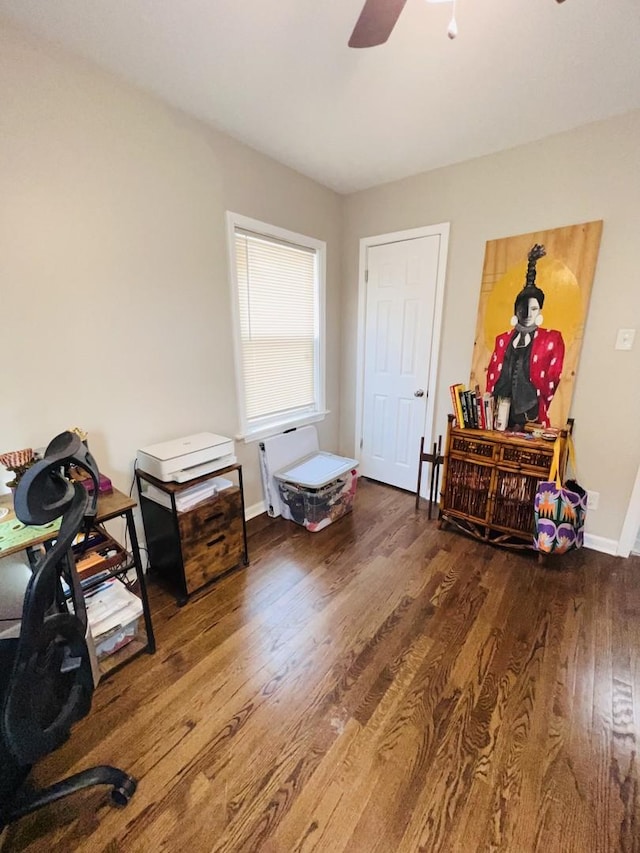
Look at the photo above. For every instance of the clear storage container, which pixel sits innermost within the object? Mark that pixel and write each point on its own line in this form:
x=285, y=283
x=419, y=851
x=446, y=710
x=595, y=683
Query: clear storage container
x=318, y=490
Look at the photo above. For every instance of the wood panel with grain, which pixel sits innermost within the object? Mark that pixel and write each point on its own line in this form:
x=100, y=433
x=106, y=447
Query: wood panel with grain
x=211, y=538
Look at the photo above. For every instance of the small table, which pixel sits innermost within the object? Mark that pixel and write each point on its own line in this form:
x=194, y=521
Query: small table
x=15, y=537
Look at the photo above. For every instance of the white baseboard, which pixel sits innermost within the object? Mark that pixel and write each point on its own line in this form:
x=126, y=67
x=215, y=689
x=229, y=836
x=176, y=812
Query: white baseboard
x=600, y=543
x=256, y=509
x=595, y=543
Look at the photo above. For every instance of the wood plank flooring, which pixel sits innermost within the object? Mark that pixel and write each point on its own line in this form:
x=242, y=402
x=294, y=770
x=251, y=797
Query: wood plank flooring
x=378, y=687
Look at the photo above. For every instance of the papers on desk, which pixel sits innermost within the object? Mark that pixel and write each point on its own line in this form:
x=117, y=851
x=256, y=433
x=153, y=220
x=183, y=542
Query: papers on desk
x=188, y=498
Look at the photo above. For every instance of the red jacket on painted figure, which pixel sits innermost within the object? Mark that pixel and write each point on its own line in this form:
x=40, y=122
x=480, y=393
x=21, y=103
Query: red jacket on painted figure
x=545, y=368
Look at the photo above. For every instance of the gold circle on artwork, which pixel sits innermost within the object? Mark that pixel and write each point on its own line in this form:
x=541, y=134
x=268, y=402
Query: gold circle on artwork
x=562, y=309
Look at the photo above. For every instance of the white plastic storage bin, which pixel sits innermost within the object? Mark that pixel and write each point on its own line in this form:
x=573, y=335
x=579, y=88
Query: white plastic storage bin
x=318, y=489
x=113, y=614
x=121, y=635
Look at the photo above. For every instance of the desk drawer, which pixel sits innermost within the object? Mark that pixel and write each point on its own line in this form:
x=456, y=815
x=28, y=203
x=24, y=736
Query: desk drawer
x=211, y=538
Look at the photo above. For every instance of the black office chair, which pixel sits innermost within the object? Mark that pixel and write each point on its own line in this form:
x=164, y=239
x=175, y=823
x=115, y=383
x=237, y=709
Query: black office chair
x=46, y=682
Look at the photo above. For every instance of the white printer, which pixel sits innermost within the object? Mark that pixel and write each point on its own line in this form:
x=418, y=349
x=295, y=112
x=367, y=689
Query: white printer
x=186, y=458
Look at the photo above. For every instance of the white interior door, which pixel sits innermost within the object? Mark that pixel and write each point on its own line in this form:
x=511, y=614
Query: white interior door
x=401, y=284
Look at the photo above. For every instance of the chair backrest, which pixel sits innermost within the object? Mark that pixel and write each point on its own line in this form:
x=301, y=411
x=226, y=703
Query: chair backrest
x=51, y=683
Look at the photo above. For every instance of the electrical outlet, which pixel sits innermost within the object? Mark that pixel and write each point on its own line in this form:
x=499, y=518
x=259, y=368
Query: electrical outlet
x=593, y=499
x=624, y=339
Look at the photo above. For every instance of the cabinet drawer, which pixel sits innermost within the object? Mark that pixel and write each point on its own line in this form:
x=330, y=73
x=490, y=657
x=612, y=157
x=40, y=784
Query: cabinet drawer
x=469, y=445
x=210, y=558
x=211, y=538
x=535, y=458
x=210, y=516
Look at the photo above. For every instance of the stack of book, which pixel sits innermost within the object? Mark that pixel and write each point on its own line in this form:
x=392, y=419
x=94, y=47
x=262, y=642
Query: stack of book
x=97, y=557
x=472, y=410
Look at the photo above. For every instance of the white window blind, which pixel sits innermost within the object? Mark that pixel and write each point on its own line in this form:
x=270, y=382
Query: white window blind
x=277, y=292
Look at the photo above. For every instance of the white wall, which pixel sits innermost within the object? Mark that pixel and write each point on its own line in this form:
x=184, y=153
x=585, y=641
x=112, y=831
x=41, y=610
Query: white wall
x=114, y=294
x=587, y=174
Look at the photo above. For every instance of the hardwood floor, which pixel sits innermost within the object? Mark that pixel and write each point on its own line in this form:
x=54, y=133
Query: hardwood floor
x=380, y=686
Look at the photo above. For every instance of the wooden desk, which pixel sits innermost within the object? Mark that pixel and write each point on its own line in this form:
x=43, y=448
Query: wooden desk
x=15, y=536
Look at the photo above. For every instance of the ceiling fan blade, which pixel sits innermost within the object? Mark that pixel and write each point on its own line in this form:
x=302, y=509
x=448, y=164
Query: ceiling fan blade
x=376, y=21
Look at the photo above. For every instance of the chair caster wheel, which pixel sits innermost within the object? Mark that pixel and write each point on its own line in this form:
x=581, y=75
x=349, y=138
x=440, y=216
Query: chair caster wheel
x=121, y=794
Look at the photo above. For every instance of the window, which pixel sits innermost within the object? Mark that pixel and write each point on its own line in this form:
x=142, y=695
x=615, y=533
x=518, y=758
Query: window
x=278, y=302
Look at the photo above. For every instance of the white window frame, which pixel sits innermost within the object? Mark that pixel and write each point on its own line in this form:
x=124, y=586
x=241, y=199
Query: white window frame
x=271, y=425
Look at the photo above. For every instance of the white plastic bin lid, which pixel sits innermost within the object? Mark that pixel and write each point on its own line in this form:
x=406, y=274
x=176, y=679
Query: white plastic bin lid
x=317, y=470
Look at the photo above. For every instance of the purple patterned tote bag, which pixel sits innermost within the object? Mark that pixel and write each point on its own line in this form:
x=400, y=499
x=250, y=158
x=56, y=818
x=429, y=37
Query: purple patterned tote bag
x=559, y=510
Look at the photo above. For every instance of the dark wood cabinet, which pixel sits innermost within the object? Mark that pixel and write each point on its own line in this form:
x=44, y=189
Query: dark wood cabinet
x=190, y=548
x=490, y=480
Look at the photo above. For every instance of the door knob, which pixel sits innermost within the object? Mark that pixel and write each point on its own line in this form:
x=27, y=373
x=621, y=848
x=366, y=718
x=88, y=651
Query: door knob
x=418, y=393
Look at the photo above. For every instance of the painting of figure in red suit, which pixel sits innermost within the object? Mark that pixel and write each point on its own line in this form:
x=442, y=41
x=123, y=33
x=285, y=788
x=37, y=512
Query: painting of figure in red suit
x=526, y=363
x=531, y=316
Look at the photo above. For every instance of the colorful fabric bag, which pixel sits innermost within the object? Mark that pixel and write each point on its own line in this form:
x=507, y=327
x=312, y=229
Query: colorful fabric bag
x=559, y=510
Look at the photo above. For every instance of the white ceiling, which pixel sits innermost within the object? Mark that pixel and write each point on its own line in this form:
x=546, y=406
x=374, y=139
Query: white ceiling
x=278, y=75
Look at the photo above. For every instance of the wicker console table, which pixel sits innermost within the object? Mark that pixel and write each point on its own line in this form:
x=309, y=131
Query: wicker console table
x=489, y=483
